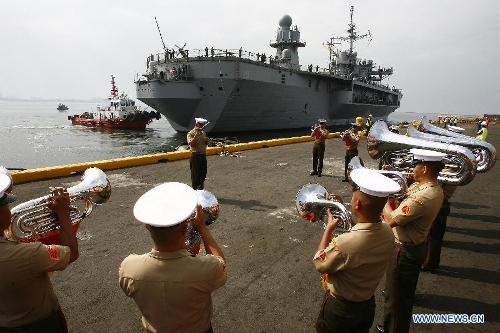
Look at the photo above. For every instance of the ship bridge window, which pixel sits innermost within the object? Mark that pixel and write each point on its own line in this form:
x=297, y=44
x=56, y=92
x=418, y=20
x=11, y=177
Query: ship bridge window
x=221, y=88
x=201, y=88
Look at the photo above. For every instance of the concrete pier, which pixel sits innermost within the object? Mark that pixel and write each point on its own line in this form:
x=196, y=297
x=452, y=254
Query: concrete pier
x=272, y=284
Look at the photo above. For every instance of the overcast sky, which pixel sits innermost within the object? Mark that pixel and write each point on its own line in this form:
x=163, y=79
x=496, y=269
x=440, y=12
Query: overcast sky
x=445, y=53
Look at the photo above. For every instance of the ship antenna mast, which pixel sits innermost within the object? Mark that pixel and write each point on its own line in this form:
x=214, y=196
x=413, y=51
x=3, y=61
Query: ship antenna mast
x=164, y=48
x=114, y=90
x=353, y=35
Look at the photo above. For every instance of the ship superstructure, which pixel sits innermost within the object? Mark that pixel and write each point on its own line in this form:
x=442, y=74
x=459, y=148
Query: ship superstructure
x=239, y=90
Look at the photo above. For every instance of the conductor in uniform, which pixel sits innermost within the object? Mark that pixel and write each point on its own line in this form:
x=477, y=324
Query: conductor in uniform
x=356, y=261
x=410, y=223
x=171, y=287
x=28, y=302
x=198, y=142
x=319, y=133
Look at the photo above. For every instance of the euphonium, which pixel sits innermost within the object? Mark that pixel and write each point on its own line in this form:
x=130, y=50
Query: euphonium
x=312, y=201
x=485, y=152
x=383, y=143
x=34, y=221
x=210, y=207
x=356, y=163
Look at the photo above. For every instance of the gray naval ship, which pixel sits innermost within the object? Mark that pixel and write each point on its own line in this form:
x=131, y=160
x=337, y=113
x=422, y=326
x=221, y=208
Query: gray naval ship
x=237, y=90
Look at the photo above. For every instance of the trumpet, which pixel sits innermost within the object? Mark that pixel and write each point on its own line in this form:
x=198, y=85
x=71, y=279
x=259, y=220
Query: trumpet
x=312, y=202
x=210, y=207
x=33, y=221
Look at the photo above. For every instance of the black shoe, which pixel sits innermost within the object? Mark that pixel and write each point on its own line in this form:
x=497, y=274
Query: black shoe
x=319, y=174
x=313, y=173
x=345, y=180
x=428, y=270
x=383, y=293
x=380, y=329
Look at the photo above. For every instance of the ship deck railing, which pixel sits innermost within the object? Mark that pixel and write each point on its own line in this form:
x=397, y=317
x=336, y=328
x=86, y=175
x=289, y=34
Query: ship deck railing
x=172, y=56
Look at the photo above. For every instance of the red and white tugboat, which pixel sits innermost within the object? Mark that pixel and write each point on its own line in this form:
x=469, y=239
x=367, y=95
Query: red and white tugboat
x=120, y=113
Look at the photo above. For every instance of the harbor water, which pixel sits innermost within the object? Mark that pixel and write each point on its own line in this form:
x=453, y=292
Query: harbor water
x=36, y=134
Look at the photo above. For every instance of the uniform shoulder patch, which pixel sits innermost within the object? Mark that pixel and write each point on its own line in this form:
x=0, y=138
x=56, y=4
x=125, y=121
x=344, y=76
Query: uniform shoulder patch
x=52, y=252
x=322, y=256
x=406, y=209
x=417, y=199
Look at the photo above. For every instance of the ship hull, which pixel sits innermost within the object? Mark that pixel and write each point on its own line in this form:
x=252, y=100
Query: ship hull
x=238, y=95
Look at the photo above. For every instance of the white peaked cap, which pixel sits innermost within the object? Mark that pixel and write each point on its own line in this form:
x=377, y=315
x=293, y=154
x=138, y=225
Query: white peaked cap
x=425, y=155
x=5, y=171
x=5, y=184
x=321, y=120
x=166, y=205
x=373, y=183
x=200, y=120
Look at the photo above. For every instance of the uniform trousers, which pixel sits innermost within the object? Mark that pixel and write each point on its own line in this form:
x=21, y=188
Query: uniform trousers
x=400, y=284
x=436, y=235
x=349, y=154
x=318, y=155
x=338, y=315
x=198, y=166
x=54, y=323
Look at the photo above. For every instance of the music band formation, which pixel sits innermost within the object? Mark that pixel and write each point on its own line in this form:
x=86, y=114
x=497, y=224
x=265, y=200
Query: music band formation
x=400, y=215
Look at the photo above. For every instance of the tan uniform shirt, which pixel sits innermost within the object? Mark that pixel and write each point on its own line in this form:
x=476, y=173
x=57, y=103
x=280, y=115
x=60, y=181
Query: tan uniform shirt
x=356, y=261
x=415, y=214
x=26, y=293
x=200, y=144
x=173, y=289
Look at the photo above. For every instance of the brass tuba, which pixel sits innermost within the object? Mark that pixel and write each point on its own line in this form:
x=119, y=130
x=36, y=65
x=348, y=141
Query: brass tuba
x=484, y=152
x=312, y=201
x=210, y=207
x=33, y=221
x=394, y=150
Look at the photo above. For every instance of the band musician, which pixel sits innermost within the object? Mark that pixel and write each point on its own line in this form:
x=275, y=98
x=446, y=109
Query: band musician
x=351, y=140
x=355, y=262
x=319, y=133
x=198, y=142
x=410, y=223
x=171, y=287
x=28, y=302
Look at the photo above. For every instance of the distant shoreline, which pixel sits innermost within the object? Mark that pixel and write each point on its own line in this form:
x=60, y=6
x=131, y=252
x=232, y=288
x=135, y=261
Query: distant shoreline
x=52, y=100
